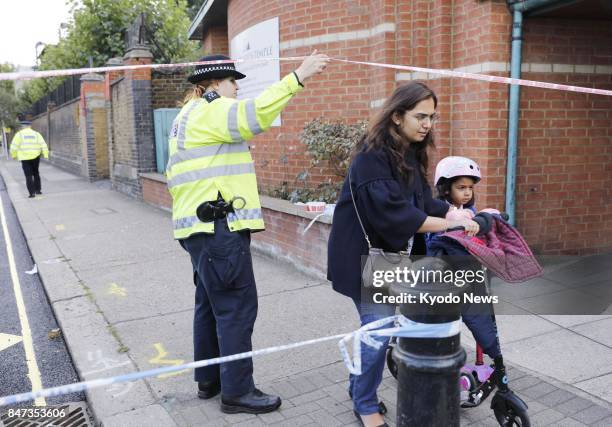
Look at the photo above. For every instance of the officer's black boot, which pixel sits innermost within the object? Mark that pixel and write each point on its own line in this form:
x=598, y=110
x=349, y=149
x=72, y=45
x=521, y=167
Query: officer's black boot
x=208, y=389
x=255, y=402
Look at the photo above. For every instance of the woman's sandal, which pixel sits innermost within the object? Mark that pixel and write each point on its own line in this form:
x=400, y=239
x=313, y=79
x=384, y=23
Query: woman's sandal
x=361, y=421
x=382, y=408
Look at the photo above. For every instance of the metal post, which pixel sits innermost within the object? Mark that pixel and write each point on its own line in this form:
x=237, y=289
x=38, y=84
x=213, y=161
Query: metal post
x=429, y=368
x=428, y=381
x=513, y=113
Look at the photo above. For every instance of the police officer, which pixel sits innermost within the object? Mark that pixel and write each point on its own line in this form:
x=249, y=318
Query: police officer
x=27, y=146
x=216, y=206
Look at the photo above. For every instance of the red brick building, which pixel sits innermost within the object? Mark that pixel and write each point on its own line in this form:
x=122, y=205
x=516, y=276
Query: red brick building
x=564, y=172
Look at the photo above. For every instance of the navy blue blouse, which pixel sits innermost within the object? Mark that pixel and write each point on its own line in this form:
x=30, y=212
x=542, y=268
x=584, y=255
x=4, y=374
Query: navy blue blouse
x=391, y=210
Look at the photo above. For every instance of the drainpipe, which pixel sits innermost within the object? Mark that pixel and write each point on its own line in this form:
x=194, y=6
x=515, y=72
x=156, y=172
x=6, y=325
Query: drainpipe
x=518, y=7
x=513, y=113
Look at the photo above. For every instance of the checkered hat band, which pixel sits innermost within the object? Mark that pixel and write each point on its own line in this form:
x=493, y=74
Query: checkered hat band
x=215, y=68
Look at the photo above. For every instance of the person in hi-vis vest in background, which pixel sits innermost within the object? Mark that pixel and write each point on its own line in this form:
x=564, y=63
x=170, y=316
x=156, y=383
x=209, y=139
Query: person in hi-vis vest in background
x=27, y=146
x=215, y=207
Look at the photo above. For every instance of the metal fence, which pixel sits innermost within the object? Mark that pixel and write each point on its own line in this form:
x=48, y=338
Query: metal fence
x=69, y=89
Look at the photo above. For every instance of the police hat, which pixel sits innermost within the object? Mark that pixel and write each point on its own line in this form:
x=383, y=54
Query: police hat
x=25, y=122
x=214, y=71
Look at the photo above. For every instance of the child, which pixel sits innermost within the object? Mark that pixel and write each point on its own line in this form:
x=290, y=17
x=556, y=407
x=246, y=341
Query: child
x=455, y=180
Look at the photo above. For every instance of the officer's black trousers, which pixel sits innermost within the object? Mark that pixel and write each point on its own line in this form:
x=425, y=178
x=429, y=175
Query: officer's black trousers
x=225, y=305
x=30, y=170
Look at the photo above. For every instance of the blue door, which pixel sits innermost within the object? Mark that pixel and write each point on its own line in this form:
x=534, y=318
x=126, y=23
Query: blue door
x=163, y=118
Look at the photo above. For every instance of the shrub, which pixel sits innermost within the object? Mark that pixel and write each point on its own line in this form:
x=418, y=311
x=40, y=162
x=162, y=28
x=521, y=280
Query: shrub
x=328, y=144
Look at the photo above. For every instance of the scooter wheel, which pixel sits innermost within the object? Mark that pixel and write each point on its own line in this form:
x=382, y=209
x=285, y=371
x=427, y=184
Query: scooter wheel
x=391, y=365
x=510, y=419
x=469, y=378
x=510, y=410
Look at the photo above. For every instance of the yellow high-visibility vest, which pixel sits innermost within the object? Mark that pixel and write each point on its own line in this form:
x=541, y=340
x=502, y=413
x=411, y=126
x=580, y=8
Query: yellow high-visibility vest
x=208, y=155
x=27, y=144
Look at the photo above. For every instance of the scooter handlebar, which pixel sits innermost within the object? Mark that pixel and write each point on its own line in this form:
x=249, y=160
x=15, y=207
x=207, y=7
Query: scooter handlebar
x=484, y=221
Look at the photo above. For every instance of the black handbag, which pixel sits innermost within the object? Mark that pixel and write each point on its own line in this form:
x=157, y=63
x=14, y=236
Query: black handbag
x=379, y=261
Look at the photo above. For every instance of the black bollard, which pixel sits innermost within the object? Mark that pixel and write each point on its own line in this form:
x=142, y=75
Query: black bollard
x=428, y=368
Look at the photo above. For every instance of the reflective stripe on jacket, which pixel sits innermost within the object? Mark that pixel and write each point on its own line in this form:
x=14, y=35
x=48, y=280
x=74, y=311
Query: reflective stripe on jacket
x=27, y=144
x=208, y=154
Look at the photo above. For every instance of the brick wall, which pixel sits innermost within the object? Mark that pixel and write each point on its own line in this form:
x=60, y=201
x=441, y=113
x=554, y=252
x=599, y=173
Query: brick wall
x=169, y=88
x=215, y=41
x=284, y=238
x=60, y=128
x=422, y=33
x=64, y=141
x=565, y=152
x=343, y=92
x=460, y=34
x=155, y=190
x=133, y=146
x=93, y=127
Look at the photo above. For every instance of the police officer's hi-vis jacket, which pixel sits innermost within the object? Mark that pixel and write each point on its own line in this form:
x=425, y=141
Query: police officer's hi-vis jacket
x=27, y=144
x=208, y=154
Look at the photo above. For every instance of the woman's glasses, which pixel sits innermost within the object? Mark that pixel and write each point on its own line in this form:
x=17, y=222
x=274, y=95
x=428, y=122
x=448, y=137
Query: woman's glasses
x=421, y=118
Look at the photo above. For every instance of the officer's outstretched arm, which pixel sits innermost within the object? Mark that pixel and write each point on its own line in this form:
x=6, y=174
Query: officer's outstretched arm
x=253, y=116
x=250, y=117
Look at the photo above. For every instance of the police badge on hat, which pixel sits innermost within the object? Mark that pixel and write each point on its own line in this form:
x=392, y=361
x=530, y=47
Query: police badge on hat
x=214, y=71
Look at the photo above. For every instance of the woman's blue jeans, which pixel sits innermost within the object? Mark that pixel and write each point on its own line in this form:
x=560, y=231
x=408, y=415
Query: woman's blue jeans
x=363, y=387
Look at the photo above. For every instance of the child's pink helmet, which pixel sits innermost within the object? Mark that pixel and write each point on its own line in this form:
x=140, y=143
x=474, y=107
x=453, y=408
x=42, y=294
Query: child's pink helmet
x=453, y=166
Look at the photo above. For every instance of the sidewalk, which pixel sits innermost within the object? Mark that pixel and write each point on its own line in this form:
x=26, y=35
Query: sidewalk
x=122, y=291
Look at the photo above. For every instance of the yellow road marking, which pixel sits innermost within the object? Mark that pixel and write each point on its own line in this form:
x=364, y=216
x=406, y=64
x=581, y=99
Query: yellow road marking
x=26, y=332
x=115, y=289
x=60, y=227
x=159, y=360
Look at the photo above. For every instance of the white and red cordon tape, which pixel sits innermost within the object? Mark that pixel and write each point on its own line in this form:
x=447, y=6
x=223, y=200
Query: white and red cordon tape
x=26, y=75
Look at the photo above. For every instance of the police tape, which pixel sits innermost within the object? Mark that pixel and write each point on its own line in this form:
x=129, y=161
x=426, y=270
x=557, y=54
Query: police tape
x=406, y=328
x=26, y=75
x=486, y=78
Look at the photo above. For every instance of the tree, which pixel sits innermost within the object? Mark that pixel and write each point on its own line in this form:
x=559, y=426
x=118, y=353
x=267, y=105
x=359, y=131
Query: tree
x=193, y=7
x=97, y=29
x=9, y=103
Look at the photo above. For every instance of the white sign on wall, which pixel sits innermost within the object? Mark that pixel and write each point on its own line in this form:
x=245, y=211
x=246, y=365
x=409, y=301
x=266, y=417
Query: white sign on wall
x=259, y=41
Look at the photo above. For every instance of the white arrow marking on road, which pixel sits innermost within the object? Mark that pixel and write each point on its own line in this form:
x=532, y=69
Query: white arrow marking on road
x=7, y=340
x=26, y=332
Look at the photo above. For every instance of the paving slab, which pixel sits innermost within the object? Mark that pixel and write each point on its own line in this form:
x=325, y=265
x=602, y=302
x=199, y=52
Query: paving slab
x=560, y=348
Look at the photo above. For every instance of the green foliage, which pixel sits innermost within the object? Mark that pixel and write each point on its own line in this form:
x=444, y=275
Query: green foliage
x=332, y=142
x=9, y=103
x=328, y=144
x=193, y=7
x=97, y=30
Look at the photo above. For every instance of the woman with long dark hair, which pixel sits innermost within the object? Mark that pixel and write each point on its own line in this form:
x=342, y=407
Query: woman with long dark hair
x=394, y=201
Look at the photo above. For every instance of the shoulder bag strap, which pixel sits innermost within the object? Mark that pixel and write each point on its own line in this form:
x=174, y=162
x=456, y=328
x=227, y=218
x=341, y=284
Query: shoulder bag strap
x=410, y=242
x=357, y=211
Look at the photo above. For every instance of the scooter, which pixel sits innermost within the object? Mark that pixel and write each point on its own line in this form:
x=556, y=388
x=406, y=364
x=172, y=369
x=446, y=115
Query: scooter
x=477, y=381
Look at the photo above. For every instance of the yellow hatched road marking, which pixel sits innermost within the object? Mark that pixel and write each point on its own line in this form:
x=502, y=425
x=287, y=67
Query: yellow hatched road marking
x=26, y=332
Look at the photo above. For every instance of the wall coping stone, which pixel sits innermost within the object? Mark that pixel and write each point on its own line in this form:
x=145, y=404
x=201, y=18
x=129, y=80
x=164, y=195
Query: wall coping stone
x=92, y=77
x=138, y=51
x=114, y=61
x=272, y=203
